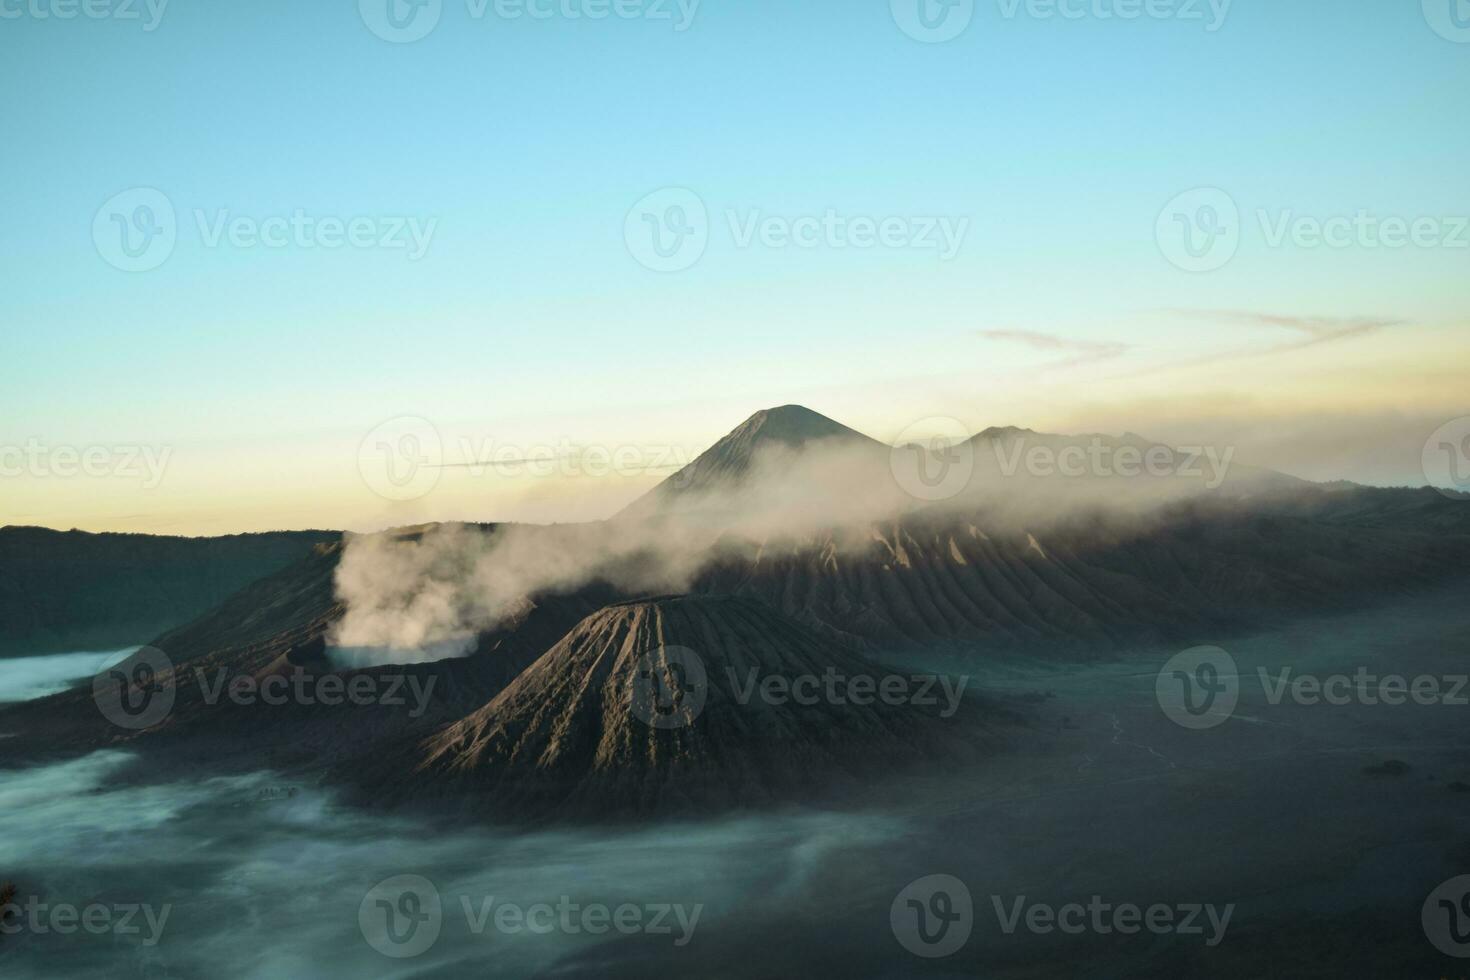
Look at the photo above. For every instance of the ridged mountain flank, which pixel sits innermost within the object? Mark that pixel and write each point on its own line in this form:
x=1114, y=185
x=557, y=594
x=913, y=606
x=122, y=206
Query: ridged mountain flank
x=686, y=703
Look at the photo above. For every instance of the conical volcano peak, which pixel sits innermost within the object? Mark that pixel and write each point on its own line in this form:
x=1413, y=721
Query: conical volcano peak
x=725, y=465
x=792, y=424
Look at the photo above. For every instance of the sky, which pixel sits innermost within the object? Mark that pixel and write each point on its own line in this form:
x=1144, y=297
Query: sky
x=247, y=246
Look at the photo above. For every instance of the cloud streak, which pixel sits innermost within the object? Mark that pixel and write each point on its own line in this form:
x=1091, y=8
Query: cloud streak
x=1079, y=351
x=1311, y=330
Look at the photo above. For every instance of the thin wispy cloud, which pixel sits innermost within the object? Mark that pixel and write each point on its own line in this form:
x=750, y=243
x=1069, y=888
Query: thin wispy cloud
x=1077, y=351
x=1310, y=330
x=495, y=464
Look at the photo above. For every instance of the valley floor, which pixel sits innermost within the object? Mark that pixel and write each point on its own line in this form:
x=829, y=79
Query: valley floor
x=1323, y=828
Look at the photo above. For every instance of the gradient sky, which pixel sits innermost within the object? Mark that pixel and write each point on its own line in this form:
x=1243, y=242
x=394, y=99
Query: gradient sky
x=528, y=322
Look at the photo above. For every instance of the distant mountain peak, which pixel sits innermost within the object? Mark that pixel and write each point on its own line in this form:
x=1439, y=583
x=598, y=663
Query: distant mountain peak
x=1002, y=432
x=725, y=465
x=793, y=425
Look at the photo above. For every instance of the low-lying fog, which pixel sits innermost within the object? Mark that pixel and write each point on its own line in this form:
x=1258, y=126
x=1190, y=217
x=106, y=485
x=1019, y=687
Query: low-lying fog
x=28, y=678
x=266, y=879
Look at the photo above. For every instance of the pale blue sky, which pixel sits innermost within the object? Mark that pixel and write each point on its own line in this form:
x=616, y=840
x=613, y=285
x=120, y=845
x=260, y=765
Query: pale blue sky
x=528, y=142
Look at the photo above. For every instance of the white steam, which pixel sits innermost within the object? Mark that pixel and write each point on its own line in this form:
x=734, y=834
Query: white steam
x=426, y=594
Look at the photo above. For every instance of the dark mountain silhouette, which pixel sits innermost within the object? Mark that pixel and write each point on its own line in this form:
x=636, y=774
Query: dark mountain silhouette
x=1085, y=586
x=977, y=580
x=279, y=626
x=538, y=713
x=62, y=591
